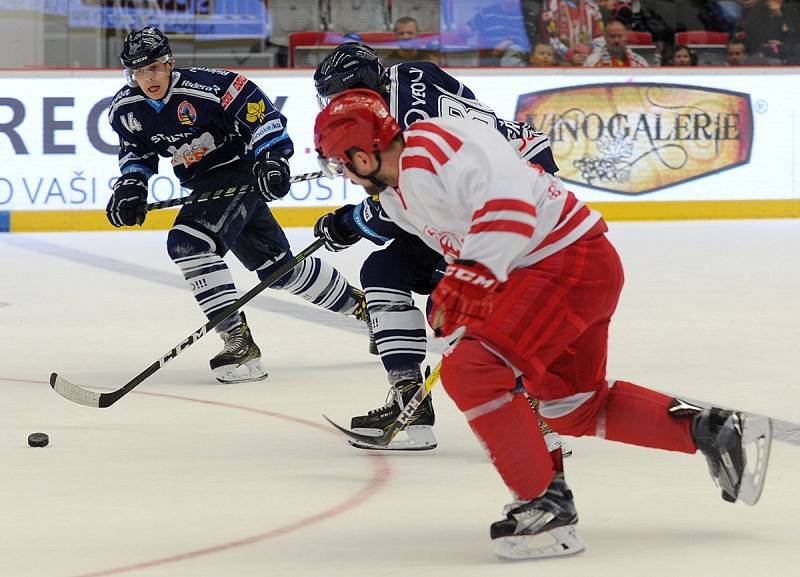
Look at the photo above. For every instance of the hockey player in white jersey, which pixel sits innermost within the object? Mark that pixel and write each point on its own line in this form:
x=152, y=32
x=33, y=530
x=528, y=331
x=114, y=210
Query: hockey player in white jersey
x=535, y=281
x=405, y=266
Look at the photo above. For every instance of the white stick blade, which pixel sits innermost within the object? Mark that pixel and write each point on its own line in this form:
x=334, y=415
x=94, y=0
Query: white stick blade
x=74, y=393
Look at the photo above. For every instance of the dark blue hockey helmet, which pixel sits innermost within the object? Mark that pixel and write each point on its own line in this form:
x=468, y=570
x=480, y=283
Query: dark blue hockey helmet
x=145, y=46
x=350, y=65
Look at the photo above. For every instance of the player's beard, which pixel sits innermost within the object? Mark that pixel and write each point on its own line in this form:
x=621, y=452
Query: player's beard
x=374, y=188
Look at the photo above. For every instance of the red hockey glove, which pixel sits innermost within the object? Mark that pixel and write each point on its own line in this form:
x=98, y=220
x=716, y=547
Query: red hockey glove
x=461, y=297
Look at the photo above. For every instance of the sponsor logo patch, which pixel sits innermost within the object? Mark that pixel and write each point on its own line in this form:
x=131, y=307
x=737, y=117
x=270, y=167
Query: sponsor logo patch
x=256, y=111
x=636, y=138
x=186, y=113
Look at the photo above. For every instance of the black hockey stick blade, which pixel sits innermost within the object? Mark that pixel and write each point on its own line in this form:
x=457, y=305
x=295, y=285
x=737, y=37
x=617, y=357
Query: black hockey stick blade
x=89, y=398
x=222, y=193
x=375, y=440
x=402, y=419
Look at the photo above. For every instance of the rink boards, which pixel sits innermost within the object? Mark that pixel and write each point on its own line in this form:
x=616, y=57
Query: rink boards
x=660, y=144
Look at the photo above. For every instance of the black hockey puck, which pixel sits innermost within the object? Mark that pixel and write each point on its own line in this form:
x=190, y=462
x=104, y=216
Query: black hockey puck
x=38, y=440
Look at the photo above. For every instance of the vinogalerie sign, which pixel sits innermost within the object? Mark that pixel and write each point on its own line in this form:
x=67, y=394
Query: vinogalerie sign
x=618, y=136
x=639, y=138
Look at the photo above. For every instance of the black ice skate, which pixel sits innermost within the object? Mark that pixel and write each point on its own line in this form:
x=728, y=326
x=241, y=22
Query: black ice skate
x=362, y=314
x=725, y=437
x=419, y=431
x=240, y=359
x=541, y=528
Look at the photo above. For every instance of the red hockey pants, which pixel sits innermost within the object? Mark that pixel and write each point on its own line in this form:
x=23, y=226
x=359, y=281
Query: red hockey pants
x=550, y=321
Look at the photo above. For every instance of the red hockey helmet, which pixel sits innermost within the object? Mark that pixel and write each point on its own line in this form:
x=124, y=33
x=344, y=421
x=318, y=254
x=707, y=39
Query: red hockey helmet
x=355, y=118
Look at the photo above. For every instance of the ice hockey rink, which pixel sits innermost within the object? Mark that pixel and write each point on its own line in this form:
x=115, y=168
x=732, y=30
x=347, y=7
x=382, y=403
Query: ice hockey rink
x=188, y=478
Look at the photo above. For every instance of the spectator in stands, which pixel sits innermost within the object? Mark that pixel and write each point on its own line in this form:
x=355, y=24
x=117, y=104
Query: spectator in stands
x=499, y=28
x=543, y=55
x=682, y=55
x=406, y=30
x=736, y=53
x=772, y=31
x=573, y=28
x=615, y=52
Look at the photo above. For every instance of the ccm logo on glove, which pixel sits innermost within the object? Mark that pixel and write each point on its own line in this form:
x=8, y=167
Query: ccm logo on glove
x=462, y=297
x=471, y=276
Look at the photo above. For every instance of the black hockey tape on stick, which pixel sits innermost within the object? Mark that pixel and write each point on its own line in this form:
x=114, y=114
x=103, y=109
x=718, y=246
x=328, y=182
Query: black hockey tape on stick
x=80, y=395
x=222, y=193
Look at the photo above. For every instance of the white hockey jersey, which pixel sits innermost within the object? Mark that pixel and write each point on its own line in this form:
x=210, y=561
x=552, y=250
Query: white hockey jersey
x=465, y=192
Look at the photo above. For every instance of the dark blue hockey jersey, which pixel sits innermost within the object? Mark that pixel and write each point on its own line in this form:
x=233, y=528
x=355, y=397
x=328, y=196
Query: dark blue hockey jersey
x=209, y=118
x=422, y=90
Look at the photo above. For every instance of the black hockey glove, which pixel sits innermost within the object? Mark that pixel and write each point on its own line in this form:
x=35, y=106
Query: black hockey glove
x=128, y=205
x=272, y=173
x=332, y=228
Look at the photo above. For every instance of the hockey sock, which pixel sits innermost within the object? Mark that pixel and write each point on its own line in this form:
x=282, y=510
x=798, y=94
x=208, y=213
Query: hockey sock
x=320, y=283
x=212, y=285
x=512, y=437
x=639, y=416
x=399, y=329
x=482, y=386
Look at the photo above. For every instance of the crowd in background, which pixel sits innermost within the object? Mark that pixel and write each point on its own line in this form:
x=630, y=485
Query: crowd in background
x=606, y=33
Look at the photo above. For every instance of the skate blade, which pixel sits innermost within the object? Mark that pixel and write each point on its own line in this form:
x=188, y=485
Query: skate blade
x=417, y=438
x=757, y=442
x=563, y=541
x=248, y=372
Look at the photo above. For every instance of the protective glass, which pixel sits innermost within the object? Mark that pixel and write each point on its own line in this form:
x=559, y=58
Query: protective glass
x=131, y=75
x=330, y=167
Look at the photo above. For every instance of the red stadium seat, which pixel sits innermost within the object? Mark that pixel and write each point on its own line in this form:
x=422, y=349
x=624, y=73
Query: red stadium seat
x=639, y=38
x=704, y=37
x=312, y=38
x=377, y=37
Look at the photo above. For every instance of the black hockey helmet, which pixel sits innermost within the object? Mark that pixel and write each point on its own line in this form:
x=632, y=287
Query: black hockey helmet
x=145, y=46
x=350, y=65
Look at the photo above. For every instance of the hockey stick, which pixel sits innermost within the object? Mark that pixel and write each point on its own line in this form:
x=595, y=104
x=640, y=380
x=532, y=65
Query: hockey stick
x=783, y=431
x=222, y=193
x=408, y=411
x=78, y=394
x=402, y=419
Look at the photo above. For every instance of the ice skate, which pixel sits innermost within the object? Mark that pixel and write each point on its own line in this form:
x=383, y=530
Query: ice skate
x=541, y=528
x=725, y=438
x=419, y=431
x=362, y=314
x=240, y=359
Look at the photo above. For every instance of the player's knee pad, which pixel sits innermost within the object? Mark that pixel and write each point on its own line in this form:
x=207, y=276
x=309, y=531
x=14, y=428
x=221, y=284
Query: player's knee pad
x=184, y=241
x=474, y=376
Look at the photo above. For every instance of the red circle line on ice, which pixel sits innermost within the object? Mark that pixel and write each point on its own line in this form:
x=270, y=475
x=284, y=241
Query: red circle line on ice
x=381, y=472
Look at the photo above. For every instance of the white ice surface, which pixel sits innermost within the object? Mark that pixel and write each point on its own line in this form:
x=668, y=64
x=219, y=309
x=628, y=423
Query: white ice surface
x=188, y=478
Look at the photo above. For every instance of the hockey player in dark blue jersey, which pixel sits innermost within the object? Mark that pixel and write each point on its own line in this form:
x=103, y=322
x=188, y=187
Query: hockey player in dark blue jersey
x=414, y=91
x=218, y=130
